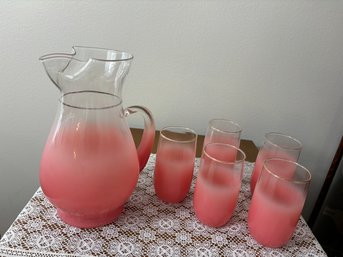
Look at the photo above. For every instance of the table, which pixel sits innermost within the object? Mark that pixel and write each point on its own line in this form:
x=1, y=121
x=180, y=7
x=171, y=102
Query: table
x=148, y=227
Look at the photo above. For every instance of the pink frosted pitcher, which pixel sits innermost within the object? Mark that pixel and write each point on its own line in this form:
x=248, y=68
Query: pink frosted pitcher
x=90, y=164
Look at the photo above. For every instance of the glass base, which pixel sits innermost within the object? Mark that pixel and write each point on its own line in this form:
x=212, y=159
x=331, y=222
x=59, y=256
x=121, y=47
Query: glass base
x=90, y=221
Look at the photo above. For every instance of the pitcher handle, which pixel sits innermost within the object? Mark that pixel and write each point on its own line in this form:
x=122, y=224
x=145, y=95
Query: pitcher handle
x=147, y=141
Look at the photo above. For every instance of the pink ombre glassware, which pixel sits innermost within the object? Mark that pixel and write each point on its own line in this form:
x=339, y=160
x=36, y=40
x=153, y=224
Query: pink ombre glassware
x=218, y=183
x=223, y=131
x=90, y=164
x=276, y=145
x=278, y=201
x=174, y=163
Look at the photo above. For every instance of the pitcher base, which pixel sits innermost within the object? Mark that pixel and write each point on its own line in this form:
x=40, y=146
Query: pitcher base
x=89, y=221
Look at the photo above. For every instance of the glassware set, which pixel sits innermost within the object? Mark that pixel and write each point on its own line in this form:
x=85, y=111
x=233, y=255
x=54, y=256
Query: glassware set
x=90, y=165
x=278, y=183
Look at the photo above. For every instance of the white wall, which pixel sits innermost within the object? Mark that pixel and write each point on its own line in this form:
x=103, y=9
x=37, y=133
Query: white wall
x=269, y=65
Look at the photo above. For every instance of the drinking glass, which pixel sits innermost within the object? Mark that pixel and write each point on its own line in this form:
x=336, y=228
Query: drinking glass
x=218, y=184
x=277, y=201
x=223, y=131
x=276, y=145
x=174, y=163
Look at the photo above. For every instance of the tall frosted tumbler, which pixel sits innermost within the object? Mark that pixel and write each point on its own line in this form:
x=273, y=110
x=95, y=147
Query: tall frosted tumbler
x=276, y=145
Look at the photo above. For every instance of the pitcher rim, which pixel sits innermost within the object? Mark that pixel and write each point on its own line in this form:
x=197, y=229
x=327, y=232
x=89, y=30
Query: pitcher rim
x=71, y=55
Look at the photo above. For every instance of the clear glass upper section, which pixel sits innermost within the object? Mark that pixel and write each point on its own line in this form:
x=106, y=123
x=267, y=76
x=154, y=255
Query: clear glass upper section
x=88, y=68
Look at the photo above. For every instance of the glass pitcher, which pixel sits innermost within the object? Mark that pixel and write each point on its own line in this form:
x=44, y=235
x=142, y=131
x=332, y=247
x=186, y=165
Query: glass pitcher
x=90, y=164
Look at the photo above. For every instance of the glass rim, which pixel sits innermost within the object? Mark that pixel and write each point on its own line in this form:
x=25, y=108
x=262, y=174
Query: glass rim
x=241, y=160
x=181, y=129
x=237, y=130
x=295, y=181
x=299, y=147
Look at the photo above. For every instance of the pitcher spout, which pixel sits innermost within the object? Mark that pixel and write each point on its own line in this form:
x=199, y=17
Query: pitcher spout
x=54, y=64
x=88, y=68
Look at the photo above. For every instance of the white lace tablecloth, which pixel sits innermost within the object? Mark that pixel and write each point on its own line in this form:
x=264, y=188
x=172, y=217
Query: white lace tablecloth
x=148, y=227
